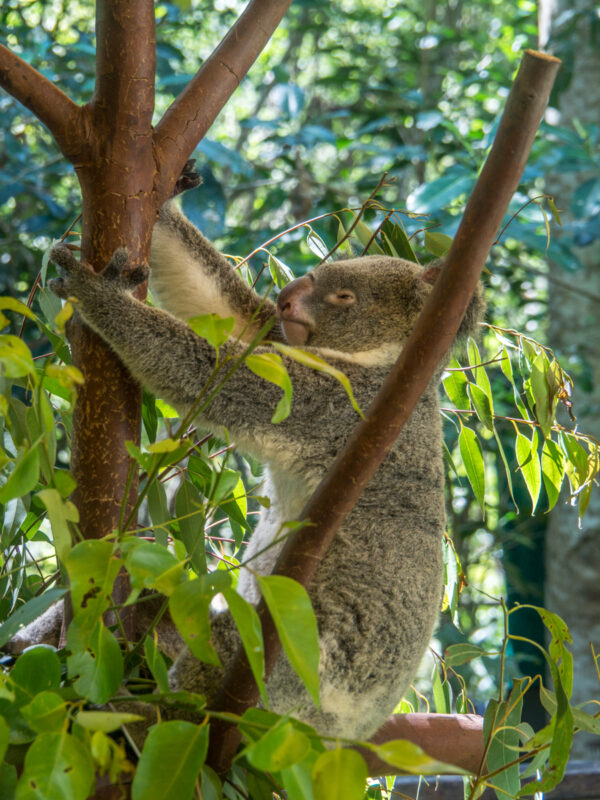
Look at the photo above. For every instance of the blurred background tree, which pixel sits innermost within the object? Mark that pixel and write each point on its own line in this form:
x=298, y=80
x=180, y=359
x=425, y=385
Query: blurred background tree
x=343, y=93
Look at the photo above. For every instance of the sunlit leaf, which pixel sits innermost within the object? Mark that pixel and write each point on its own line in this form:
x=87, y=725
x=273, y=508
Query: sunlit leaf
x=472, y=456
x=270, y=366
x=57, y=766
x=294, y=618
x=529, y=465
x=280, y=747
x=339, y=774
x=553, y=470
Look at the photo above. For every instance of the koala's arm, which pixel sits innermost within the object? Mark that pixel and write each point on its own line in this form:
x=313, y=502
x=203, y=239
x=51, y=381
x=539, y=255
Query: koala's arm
x=190, y=277
x=174, y=363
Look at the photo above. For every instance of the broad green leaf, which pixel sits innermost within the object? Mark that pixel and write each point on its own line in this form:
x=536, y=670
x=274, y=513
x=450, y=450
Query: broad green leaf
x=294, y=618
x=248, y=624
x=15, y=357
x=280, y=272
x=171, y=761
x=280, y=747
x=189, y=608
x=576, y=464
x=553, y=470
x=315, y=244
x=189, y=508
x=472, y=456
x=559, y=653
x=37, y=670
x=95, y=662
x=366, y=237
x=24, y=476
x=105, y=721
x=270, y=366
x=479, y=373
x=156, y=664
x=317, y=363
x=61, y=513
x=92, y=567
x=12, y=304
x=507, y=470
x=441, y=692
x=457, y=654
x=529, y=465
x=400, y=246
x=297, y=779
x=455, y=386
x=544, y=400
x=339, y=774
x=57, y=767
x=215, y=329
x=437, y=243
x=28, y=612
x=482, y=405
x=409, y=757
x=46, y=712
x=153, y=566
x=500, y=727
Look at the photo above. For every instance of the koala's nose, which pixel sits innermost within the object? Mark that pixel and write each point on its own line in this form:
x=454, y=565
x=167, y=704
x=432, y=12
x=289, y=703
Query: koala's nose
x=292, y=296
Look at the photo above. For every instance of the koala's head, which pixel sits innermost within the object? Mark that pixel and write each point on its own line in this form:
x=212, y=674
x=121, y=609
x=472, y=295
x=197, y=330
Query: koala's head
x=356, y=305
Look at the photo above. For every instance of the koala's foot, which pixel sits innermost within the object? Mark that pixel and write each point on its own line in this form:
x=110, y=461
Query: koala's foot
x=80, y=281
x=189, y=178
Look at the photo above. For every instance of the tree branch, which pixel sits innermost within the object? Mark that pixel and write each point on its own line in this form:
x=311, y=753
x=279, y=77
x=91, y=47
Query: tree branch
x=196, y=108
x=50, y=105
x=433, y=335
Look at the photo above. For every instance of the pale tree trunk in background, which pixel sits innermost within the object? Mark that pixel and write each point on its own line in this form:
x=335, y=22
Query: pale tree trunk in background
x=573, y=554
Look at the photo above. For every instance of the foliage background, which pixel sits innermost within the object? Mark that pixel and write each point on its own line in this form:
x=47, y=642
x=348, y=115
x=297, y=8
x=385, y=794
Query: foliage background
x=343, y=93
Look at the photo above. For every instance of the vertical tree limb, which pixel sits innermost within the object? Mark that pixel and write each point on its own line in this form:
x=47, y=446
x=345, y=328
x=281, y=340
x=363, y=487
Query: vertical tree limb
x=433, y=335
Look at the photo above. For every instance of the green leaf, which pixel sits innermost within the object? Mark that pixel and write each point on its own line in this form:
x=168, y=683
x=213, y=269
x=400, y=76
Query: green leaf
x=317, y=363
x=15, y=357
x=437, y=243
x=156, y=664
x=153, y=566
x=105, y=721
x=339, y=775
x=24, y=476
x=576, y=465
x=482, y=405
x=366, y=238
x=61, y=513
x=171, y=761
x=280, y=747
x=28, y=612
x=37, y=670
x=409, y=757
x=472, y=456
x=395, y=236
x=189, y=608
x=479, y=373
x=215, y=329
x=507, y=470
x=553, y=470
x=92, y=567
x=441, y=692
x=529, y=465
x=248, y=624
x=46, y=712
x=294, y=618
x=544, y=401
x=457, y=654
x=280, y=272
x=315, y=244
x=95, y=662
x=270, y=366
x=455, y=386
x=57, y=767
x=189, y=508
x=12, y=304
x=500, y=727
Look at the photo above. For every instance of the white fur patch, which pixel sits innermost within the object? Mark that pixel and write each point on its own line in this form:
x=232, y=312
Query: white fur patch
x=383, y=356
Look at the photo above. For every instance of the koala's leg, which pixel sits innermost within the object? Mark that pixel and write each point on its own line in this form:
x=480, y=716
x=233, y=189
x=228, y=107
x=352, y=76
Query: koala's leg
x=44, y=630
x=189, y=674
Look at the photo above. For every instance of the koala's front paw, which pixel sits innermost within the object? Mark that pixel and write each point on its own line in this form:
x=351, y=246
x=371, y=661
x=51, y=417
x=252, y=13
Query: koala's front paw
x=76, y=277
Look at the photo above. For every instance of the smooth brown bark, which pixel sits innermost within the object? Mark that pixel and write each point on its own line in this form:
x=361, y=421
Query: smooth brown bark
x=433, y=335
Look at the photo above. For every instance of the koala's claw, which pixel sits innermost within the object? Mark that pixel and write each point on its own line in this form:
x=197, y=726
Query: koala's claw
x=74, y=274
x=189, y=178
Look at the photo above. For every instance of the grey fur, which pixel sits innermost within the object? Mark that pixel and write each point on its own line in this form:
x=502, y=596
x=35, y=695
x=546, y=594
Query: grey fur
x=377, y=593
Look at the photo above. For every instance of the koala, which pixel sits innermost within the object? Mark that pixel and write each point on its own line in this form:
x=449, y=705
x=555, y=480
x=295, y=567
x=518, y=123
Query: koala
x=377, y=592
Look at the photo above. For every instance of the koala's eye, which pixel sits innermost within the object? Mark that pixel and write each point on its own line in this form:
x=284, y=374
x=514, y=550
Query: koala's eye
x=344, y=297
